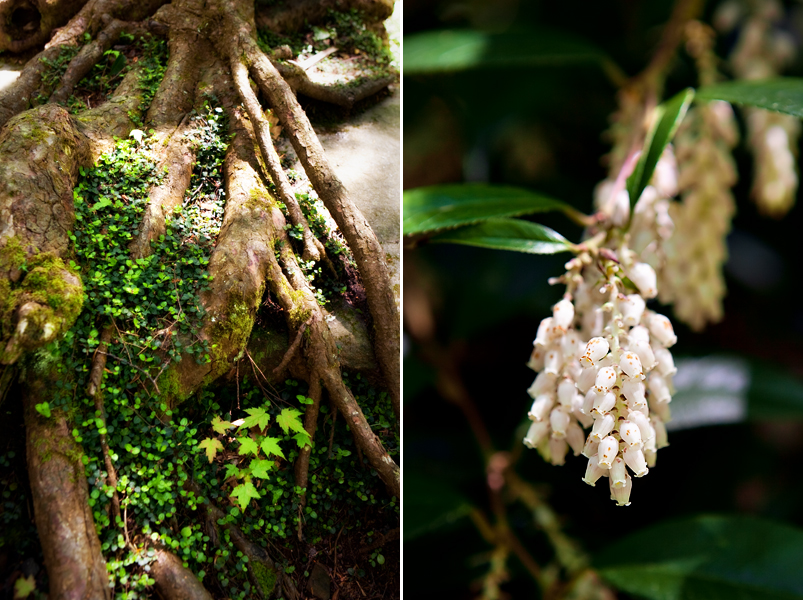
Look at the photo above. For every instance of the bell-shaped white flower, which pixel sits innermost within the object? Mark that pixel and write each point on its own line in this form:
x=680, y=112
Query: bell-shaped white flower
x=634, y=391
x=596, y=348
x=632, y=308
x=634, y=458
x=606, y=377
x=643, y=276
x=586, y=380
x=661, y=328
x=607, y=451
x=559, y=420
x=661, y=438
x=666, y=364
x=557, y=451
x=536, y=362
x=591, y=447
x=563, y=314
x=618, y=473
x=659, y=390
x=575, y=438
x=593, y=471
x=602, y=427
x=643, y=423
x=553, y=362
x=603, y=403
x=622, y=494
x=543, y=333
x=544, y=382
x=537, y=432
x=644, y=352
x=541, y=407
x=630, y=434
x=630, y=364
x=571, y=345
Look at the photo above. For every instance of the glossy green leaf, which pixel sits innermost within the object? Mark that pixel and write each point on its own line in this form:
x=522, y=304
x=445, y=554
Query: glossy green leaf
x=667, y=120
x=457, y=50
x=707, y=557
x=447, y=206
x=429, y=504
x=782, y=94
x=508, y=234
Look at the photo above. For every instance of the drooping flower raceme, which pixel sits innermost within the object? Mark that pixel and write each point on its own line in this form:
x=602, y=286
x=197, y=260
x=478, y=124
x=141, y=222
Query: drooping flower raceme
x=603, y=363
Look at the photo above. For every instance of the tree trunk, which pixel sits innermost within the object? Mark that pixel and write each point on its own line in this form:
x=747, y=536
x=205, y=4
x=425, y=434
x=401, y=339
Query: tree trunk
x=119, y=387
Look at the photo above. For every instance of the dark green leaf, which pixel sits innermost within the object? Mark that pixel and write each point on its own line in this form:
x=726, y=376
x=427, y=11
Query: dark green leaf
x=457, y=50
x=119, y=65
x=708, y=557
x=783, y=94
x=430, y=503
x=508, y=234
x=667, y=120
x=447, y=206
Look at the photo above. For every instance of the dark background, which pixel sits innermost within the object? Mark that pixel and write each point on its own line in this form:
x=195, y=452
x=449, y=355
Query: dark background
x=542, y=128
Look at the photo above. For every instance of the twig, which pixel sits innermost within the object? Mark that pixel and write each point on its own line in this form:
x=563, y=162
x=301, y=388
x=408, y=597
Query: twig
x=288, y=356
x=315, y=59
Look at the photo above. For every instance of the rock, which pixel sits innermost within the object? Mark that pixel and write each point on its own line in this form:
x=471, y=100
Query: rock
x=319, y=583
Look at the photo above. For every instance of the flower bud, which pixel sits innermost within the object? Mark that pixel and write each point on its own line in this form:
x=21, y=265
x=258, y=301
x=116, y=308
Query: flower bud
x=622, y=494
x=559, y=420
x=566, y=392
x=586, y=379
x=596, y=348
x=634, y=458
x=630, y=364
x=606, y=377
x=563, y=314
x=536, y=433
x=661, y=328
x=544, y=382
x=630, y=434
x=638, y=334
x=632, y=308
x=643, y=276
x=588, y=402
x=541, y=407
x=644, y=352
x=591, y=448
x=593, y=471
x=661, y=439
x=608, y=449
x=643, y=423
x=575, y=438
x=618, y=473
x=602, y=427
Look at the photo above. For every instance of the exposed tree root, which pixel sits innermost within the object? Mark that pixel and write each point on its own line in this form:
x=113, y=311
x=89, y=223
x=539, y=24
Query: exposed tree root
x=28, y=23
x=174, y=581
x=64, y=520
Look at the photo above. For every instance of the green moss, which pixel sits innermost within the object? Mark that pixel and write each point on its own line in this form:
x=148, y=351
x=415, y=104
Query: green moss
x=12, y=255
x=265, y=576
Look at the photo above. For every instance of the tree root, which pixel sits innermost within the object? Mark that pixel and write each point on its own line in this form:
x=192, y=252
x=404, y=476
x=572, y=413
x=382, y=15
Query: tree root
x=310, y=425
x=295, y=15
x=66, y=527
x=174, y=581
x=366, y=249
x=28, y=23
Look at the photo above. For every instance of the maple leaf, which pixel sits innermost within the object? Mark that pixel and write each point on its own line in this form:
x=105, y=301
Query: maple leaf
x=289, y=419
x=302, y=439
x=232, y=471
x=260, y=468
x=211, y=445
x=271, y=446
x=24, y=587
x=258, y=417
x=219, y=425
x=243, y=493
x=247, y=446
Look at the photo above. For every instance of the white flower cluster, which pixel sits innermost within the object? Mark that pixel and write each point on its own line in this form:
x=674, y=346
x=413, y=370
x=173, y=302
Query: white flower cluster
x=763, y=50
x=603, y=362
x=691, y=277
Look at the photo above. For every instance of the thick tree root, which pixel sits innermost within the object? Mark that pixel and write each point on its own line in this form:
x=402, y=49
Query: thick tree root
x=174, y=581
x=367, y=251
x=64, y=520
x=28, y=23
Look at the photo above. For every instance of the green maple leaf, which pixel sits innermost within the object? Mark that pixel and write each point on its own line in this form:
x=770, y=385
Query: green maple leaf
x=243, y=493
x=24, y=587
x=258, y=418
x=211, y=445
x=247, y=446
x=232, y=471
x=271, y=446
x=219, y=425
x=260, y=468
x=289, y=419
x=302, y=439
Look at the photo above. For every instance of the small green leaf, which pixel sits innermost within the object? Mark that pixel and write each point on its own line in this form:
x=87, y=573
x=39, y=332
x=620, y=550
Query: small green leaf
x=782, y=94
x=119, y=65
x=271, y=446
x=247, y=446
x=508, y=234
x=43, y=409
x=212, y=446
x=668, y=116
x=233, y=471
x=219, y=425
x=24, y=586
x=446, y=206
x=259, y=418
x=186, y=532
x=289, y=419
x=243, y=493
x=712, y=557
x=461, y=49
x=260, y=468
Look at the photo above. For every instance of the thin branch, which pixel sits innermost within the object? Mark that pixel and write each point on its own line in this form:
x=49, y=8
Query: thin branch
x=291, y=351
